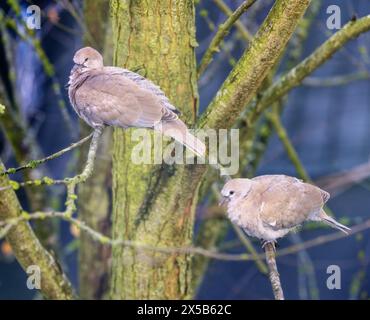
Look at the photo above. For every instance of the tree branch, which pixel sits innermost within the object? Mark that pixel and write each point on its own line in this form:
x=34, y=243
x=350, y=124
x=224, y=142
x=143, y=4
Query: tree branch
x=245, y=79
x=295, y=76
x=274, y=117
x=340, y=80
x=34, y=163
x=273, y=271
x=25, y=244
x=249, y=246
x=8, y=224
x=246, y=35
x=222, y=33
x=29, y=251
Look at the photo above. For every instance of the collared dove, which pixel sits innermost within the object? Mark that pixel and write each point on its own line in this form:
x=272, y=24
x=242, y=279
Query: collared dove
x=269, y=206
x=118, y=97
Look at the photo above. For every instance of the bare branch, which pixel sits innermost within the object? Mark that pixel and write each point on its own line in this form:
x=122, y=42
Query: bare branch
x=248, y=244
x=336, y=80
x=295, y=76
x=337, y=182
x=28, y=249
x=25, y=244
x=245, y=79
x=222, y=33
x=273, y=271
x=29, y=36
x=246, y=35
x=8, y=224
x=34, y=163
x=274, y=117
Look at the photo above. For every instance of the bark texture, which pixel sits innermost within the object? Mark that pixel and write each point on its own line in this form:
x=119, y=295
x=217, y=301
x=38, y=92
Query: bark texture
x=28, y=249
x=94, y=196
x=154, y=204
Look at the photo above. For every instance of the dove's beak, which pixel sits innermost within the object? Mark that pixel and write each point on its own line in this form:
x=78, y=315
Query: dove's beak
x=223, y=201
x=75, y=68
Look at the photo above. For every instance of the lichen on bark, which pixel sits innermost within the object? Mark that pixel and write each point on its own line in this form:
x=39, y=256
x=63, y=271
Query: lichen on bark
x=159, y=39
x=27, y=248
x=154, y=204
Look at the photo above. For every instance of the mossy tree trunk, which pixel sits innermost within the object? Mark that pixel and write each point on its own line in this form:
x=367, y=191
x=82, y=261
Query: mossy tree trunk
x=154, y=204
x=94, y=204
x=27, y=247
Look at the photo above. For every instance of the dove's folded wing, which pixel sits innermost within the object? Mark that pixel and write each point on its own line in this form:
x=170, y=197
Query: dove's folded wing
x=287, y=202
x=146, y=85
x=116, y=100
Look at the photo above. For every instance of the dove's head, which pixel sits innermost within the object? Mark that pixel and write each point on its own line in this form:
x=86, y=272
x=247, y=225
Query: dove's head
x=235, y=190
x=88, y=58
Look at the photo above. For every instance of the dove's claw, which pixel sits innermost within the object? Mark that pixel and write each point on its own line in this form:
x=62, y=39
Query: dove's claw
x=265, y=242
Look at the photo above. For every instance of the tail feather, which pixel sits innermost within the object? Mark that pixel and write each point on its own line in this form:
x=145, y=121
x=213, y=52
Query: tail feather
x=178, y=130
x=335, y=224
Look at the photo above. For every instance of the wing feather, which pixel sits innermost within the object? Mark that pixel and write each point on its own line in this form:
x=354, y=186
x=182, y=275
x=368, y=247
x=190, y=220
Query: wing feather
x=112, y=98
x=288, y=201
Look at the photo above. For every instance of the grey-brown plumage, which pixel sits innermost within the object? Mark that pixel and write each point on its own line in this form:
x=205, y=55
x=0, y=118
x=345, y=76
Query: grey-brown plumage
x=268, y=207
x=118, y=97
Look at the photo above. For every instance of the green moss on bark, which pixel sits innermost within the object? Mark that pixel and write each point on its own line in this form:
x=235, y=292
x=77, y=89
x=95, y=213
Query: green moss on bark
x=28, y=249
x=154, y=204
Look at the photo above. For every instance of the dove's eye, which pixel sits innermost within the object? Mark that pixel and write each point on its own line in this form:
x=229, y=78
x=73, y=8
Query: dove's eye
x=86, y=59
x=231, y=193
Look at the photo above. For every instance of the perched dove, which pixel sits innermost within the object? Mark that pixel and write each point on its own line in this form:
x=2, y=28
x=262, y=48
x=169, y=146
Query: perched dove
x=118, y=97
x=268, y=207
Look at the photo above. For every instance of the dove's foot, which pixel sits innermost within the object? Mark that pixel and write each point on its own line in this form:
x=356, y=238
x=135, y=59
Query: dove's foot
x=272, y=242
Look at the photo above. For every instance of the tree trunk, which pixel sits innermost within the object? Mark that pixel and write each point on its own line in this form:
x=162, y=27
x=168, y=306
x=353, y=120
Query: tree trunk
x=94, y=197
x=154, y=204
x=27, y=248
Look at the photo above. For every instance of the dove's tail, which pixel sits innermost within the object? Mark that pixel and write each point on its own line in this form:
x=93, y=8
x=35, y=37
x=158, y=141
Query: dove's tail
x=333, y=223
x=177, y=129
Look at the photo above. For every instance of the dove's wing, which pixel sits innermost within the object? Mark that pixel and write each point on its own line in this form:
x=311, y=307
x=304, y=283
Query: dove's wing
x=111, y=98
x=286, y=201
x=145, y=84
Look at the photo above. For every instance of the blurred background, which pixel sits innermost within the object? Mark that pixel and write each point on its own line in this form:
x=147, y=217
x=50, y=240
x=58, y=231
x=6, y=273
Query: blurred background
x=327, y=118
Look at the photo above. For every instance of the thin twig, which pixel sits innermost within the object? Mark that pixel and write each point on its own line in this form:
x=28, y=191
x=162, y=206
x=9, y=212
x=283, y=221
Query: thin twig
x=35, y=163
x=243, y=239
x=243, y=31
x=274, y=118
x=30, y=37
x=248, y=244
x=273, y=271
x=296, y=75
x=221, y=34
x=338, y=182
x=244, y=81
x=70, y=182
x=28, y=249
x=97, y=236
x=336, y=80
